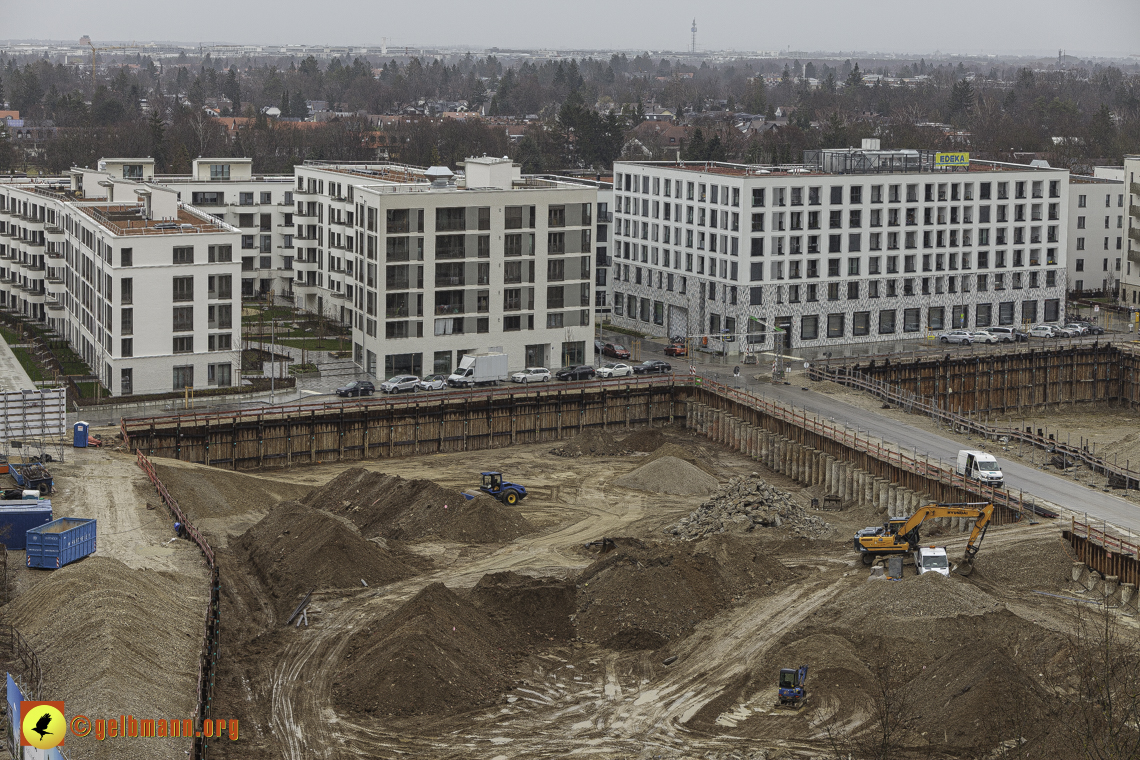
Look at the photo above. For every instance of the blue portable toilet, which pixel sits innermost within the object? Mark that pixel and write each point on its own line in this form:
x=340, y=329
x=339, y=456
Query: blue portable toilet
x=80, y=440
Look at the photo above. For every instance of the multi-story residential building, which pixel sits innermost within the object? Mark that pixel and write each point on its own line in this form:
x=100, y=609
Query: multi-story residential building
x=143, y=287
x=603, y=218
x=852, y=246
x=426, y=267
x=1096, y=233
x=1130, y=277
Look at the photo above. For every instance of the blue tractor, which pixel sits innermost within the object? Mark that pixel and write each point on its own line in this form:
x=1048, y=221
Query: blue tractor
x=508, y=493
x=793, y=687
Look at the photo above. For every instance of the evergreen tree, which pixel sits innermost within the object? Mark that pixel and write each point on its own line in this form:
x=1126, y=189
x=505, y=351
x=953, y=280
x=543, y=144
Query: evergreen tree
x=962, y=99
x=284, y=107
x=855, y=78
x=157, y=130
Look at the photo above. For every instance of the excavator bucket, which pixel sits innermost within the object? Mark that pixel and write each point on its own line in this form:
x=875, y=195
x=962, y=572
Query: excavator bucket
x=964, y=568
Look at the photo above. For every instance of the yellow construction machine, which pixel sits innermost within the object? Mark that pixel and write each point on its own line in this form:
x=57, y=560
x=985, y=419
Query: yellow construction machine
x=902, y=537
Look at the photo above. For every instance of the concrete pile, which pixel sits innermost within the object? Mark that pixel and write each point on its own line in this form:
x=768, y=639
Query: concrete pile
x=744, y=504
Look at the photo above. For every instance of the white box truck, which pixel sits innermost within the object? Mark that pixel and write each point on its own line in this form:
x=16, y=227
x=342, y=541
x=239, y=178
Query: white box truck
x=980, y=466
x=479, y=369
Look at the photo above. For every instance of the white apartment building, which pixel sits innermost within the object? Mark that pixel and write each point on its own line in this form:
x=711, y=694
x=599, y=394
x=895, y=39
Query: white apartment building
x=143, y=287
x=260, y=206
x=1096, y=233
x=853, y=246
x=427, y=267
x=1130, y=277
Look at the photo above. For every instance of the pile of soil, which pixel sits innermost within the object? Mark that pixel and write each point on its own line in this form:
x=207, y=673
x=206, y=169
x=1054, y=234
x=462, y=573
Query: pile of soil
x=111, y=640
x=1042, y=562
x=929, y=595
x=538, y=608
x=437, y=653
x=207, y=492
x=590, y=443
x=669, y=475
x=646, y=439
x=695, y=456
x=744, y=504
x=409, y=510
x=297, y=548
x=645, y=595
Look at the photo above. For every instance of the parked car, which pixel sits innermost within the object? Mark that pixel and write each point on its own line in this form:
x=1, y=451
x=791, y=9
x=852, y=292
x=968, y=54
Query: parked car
x=1094, y=329
x=581, y=372
x=1079, y=327
x=599, y=346
x=1066, y=332
x=676, y=349
x=357, y=388
x=963, y=337
x=615, y=350
x=531, y=375
x=982, y=336
x=614, y=370
x=433, y=383
x=1008, y=334
x=652, y=365
x=1045, y=331
x=400, y=383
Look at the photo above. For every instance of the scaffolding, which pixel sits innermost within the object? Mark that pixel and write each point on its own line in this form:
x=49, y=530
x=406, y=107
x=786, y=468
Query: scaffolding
x=34, y=423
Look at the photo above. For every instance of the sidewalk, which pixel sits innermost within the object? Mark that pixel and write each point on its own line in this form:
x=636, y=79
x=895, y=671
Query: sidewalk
x=12, y=374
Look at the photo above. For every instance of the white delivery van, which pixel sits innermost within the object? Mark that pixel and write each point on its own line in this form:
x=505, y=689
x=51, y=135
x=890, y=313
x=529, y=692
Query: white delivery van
x=980, y=466
x=931, y=559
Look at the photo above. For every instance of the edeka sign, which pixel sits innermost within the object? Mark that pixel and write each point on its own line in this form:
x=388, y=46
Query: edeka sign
x=951, y=159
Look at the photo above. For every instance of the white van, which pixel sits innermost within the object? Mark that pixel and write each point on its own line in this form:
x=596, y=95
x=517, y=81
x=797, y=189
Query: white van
x=932, y=560
x=980, y=466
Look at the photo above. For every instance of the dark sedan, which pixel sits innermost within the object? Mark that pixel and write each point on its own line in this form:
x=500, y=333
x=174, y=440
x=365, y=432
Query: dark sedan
x=651, y=366
x=583, y=372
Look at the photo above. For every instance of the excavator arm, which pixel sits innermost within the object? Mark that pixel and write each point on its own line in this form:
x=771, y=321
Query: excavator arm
x=906, y=537
x=985, y=516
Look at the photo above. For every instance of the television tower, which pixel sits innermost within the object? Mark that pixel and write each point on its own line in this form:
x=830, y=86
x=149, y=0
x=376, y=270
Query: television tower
x=694, y=47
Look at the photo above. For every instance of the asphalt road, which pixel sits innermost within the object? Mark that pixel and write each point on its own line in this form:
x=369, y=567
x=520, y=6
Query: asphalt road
x=1040, y=483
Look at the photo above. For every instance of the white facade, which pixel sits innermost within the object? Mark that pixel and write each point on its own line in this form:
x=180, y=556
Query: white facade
x=426, y=268
x=1096, y=234
x=848, y=249
x=144, y=288
x=1130, y=277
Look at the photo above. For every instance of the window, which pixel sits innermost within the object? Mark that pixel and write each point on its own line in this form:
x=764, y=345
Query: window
x=450, y=219
x=183, y=377
x=886, y=322
x=220, y=342
x=219, y=254
x=219, y=172
x=244, y=199
x=184, y=255
x=184, y=289
x=126, y=257
x=218, y=374
x=183, y=319
x=556, y=216
x=184, y=344
x=835, y=324
x=809, y=327
x=556, y=243
x=219, y=286
x=556, y=270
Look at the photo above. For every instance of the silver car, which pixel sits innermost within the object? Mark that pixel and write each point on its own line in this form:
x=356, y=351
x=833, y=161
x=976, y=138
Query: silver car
x=531, y=375
x=400, y=383
x=981, y=336
x=963, y=337
x=433, y=383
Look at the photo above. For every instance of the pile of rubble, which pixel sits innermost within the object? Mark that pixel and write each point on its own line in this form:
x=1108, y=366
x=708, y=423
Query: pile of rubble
x=744, y=504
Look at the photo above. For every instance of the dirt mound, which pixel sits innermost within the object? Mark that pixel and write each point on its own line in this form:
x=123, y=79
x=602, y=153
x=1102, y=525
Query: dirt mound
x=296, y=548
x=669, y=475
x=634, y=638
x=409, y=510
x=437, y=653
x=665, y=589
x=539, y=608
x=743, y=504
x=589, y=443
x=646, y=439
x=206, y=492
x=692, y=456
x=919, y=596
x=132, y=631
x=1040, y=562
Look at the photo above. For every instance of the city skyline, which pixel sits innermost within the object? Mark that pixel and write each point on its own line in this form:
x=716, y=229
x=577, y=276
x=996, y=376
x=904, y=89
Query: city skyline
x=887, y=27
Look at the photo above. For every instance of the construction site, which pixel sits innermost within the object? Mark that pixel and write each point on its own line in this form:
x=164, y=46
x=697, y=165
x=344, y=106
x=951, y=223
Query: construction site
x=659, y=552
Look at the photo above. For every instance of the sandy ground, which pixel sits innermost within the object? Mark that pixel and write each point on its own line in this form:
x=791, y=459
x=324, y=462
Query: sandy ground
x=143, y=673
x=715, y=701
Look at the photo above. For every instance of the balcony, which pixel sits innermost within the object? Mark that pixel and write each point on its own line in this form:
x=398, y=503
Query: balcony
x=1134, y=188
x=53, y=304
x=1134, y=210
x=1134, y=234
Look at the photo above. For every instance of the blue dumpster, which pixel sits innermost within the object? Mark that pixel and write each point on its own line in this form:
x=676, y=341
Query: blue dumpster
x=80, y=440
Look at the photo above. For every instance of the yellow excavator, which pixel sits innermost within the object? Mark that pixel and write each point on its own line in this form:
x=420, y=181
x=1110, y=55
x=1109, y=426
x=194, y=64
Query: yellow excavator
x=902, y=537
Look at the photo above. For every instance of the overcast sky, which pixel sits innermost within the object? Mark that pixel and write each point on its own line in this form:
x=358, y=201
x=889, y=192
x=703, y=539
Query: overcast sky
x=1082, y=27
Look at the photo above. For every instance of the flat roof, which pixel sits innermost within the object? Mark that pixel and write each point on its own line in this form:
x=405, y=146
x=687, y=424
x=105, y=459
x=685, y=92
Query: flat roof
x=793, y=170
x=126, y=219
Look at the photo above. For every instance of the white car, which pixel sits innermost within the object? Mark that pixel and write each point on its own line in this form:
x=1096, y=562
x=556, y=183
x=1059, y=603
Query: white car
x=531, y=375
x=1044, y=331
x=400, y=383
x=963, y=337
x=432, y=383
x=614, y=370
x=981, y=336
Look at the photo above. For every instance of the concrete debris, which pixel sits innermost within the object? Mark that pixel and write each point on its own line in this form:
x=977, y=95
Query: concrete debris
x=744, y=504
